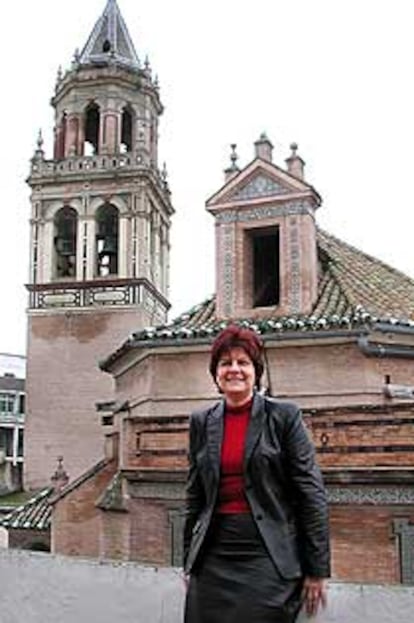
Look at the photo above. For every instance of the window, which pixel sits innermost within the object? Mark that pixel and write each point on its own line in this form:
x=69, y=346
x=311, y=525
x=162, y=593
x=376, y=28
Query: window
x=107, y=240
x=7, y=402
x=92, y=126
x=66, y=222
x=265, y=259
x=6, y=441
x=22, y=401
x=20, y=443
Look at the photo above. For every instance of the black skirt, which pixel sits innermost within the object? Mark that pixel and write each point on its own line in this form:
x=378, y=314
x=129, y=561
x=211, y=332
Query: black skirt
x=235, y=580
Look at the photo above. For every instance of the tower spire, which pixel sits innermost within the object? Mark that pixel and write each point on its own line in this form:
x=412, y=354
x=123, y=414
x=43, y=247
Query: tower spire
x=110, y=41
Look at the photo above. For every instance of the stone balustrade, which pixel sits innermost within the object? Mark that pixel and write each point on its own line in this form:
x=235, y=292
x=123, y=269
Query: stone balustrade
x=92, y=164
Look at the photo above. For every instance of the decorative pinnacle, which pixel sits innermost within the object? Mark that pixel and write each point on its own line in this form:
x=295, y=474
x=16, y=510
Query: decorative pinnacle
x=147, y=65
x=294, y=148
x=156, y=82
x=39, y=141
x=233, y=156
x=164, y=172
x=59, y=73
x=60, y=478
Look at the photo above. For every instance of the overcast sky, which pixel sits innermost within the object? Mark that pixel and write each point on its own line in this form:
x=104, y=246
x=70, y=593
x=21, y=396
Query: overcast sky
x=336, y=77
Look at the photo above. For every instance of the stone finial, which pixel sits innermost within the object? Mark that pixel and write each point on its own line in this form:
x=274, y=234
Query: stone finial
x=233, y=169
x=263, y=148
x=39, y=142
x=60, y=478
x=59, y=75
x=76, y=58
x=156, y=82
x=295, y=164
x=39, y=154
x=164, y=172
x=147, y=66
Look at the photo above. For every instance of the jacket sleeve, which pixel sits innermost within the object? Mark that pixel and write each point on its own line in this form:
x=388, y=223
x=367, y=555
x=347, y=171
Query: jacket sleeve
x=310, y=496
x=194, y=493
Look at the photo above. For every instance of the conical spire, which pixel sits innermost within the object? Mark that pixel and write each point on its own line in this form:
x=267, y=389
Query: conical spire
x=110, y=40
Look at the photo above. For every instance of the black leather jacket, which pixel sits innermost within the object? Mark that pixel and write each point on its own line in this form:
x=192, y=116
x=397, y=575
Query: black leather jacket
x=283, y=486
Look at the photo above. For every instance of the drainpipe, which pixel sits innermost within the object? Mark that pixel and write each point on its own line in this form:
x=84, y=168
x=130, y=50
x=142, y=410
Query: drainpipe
x=384, y=350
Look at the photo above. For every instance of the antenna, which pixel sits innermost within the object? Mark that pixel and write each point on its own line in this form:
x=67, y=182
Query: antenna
x=268, y=390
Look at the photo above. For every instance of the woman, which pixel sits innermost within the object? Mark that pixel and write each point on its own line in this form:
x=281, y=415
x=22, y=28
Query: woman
x=256, y=531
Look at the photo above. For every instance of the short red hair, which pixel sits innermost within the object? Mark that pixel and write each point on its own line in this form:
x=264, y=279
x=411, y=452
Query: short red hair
x=235, y=336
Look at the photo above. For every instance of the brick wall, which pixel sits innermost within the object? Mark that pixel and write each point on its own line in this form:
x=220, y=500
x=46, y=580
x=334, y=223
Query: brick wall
x=76, y=521
x=63, y=384
x=29, y=539
x=364, y=548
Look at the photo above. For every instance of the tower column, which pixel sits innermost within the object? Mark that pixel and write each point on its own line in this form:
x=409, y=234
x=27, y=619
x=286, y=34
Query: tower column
x=144, y=233
x=72, y=134
x=91, y=248
x=46, y=252
x=111, y=121
x=124, y=238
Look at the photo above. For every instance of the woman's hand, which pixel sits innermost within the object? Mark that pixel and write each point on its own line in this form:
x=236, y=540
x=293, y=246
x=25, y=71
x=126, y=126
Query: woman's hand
x=186, y=580
x=314, y=594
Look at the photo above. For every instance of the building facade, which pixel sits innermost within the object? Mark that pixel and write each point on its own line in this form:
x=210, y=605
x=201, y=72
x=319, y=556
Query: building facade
x=338, y=327
x=99, y=250
x=12, y=420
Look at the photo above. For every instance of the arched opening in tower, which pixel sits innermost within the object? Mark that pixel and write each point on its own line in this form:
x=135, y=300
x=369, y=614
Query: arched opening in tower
x=92, y=127
x=126, y=130
x=107, y=219
x=65, y=238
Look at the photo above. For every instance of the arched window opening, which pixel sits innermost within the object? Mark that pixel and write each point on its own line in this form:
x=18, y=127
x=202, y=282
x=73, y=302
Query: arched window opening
x=66, y=221
x=126, y=131
x=107, y=240
x=92, y=124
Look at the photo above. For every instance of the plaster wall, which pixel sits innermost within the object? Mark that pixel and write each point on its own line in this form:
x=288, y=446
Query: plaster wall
x=40, y=588
x=313, y=374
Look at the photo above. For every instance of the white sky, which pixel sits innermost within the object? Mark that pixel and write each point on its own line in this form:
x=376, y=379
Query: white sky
x=334, y=76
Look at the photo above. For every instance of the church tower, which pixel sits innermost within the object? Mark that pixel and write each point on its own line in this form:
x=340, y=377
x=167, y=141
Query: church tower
x=99, y=249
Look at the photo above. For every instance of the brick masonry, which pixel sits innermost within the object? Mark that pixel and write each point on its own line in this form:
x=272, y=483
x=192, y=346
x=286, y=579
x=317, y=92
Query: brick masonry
x=355, y=428
x=64, y=384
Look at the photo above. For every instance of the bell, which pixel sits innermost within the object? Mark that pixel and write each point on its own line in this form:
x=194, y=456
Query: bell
x=65, y=246
x=110, y=246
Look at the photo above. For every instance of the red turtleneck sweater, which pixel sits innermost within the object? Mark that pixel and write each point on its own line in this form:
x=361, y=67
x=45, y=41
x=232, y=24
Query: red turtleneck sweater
x=231, y=497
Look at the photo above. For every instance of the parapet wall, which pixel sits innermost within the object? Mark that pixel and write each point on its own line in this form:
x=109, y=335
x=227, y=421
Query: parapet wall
x=42, y=588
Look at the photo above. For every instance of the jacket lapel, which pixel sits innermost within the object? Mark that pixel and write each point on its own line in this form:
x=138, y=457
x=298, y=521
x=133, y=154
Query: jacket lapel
x=255, y=427
x=215, y=436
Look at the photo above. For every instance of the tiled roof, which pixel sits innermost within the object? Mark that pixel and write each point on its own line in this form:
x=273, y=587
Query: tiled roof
x=36, y=513
x=33, y=515
x=110, y=40
x=74, y=484
x=354, y=290
x=363, y=281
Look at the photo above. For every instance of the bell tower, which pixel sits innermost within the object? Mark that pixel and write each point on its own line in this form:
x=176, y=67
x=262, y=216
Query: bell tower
x=99, y=249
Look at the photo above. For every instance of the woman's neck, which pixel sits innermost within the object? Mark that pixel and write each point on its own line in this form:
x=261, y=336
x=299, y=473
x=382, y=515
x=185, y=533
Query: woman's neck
x=237, y=401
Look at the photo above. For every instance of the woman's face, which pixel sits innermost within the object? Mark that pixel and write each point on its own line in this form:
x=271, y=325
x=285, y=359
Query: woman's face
x=236, y=375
